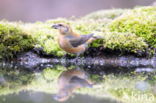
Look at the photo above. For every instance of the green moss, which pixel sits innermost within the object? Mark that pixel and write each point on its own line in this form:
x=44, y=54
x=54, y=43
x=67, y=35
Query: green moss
x=13, y=40
x=51, y=74
x=107, y=24
x=124, y=30
x=124, y=42
x=140, y=21
x=44, y=37
x=105, y=14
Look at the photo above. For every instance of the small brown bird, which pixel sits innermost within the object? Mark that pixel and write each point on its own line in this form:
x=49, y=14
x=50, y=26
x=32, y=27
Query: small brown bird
x=69, y=81
x=72, y=42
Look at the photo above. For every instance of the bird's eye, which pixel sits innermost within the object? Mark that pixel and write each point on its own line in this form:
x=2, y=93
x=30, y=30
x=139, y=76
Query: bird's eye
x=60, y=25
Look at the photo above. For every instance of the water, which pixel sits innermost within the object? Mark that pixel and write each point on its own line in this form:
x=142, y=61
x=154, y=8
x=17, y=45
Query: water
x=70, y=83
x=41, y=97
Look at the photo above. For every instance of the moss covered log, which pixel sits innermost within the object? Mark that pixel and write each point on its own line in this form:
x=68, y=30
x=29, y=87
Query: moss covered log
x=129, y=30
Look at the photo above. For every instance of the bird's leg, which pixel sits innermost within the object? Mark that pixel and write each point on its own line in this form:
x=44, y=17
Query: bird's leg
x=78, y=55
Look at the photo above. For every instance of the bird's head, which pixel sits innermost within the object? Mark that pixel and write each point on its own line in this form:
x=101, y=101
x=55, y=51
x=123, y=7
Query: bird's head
x=63, y=28
x=63, y=95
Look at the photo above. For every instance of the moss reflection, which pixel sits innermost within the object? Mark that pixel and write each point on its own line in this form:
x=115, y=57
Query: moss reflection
x=123, y=87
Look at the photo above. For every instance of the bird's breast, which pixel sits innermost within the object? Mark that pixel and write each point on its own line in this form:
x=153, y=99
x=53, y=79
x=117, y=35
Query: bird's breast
x=65, y=77
x=63, y=42
x=66, y=46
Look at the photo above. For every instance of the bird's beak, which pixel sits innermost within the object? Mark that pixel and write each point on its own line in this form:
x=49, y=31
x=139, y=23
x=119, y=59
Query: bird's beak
x=56, y=97
x=55, y=26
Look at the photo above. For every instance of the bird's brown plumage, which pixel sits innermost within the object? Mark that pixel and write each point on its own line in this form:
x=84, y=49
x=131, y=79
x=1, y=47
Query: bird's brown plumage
x=72, y=42
x=69, y=81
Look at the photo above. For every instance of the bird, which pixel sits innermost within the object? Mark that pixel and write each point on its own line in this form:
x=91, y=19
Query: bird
x=69, y=81
x=72, y=42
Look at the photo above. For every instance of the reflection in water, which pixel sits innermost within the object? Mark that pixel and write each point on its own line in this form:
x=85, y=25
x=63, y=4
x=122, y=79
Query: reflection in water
x=70, y=80
x=41, y=97
x=112, y=83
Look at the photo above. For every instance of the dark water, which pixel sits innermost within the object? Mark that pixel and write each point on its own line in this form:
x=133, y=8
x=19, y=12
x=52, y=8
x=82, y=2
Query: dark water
x=70, y=83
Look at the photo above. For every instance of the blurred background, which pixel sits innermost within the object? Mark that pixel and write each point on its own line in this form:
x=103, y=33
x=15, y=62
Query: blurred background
x=41, y=10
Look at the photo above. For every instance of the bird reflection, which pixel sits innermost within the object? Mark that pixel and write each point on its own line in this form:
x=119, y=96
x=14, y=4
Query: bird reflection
x=69, y=81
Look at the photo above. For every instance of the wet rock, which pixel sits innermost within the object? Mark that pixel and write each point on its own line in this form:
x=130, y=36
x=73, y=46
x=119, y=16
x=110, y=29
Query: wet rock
x=31, y=59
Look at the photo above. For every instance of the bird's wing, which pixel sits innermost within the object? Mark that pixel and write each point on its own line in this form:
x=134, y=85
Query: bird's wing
x=76, y=41
x=79, y=81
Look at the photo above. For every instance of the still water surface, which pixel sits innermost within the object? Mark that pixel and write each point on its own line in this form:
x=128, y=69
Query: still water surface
x=73, y=84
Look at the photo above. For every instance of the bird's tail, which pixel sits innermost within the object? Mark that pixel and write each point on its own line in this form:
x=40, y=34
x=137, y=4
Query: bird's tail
x=94, y=37
x=97, y=37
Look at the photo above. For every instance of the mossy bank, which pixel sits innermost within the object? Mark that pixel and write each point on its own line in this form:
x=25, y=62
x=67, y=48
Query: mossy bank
x=126, y=31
